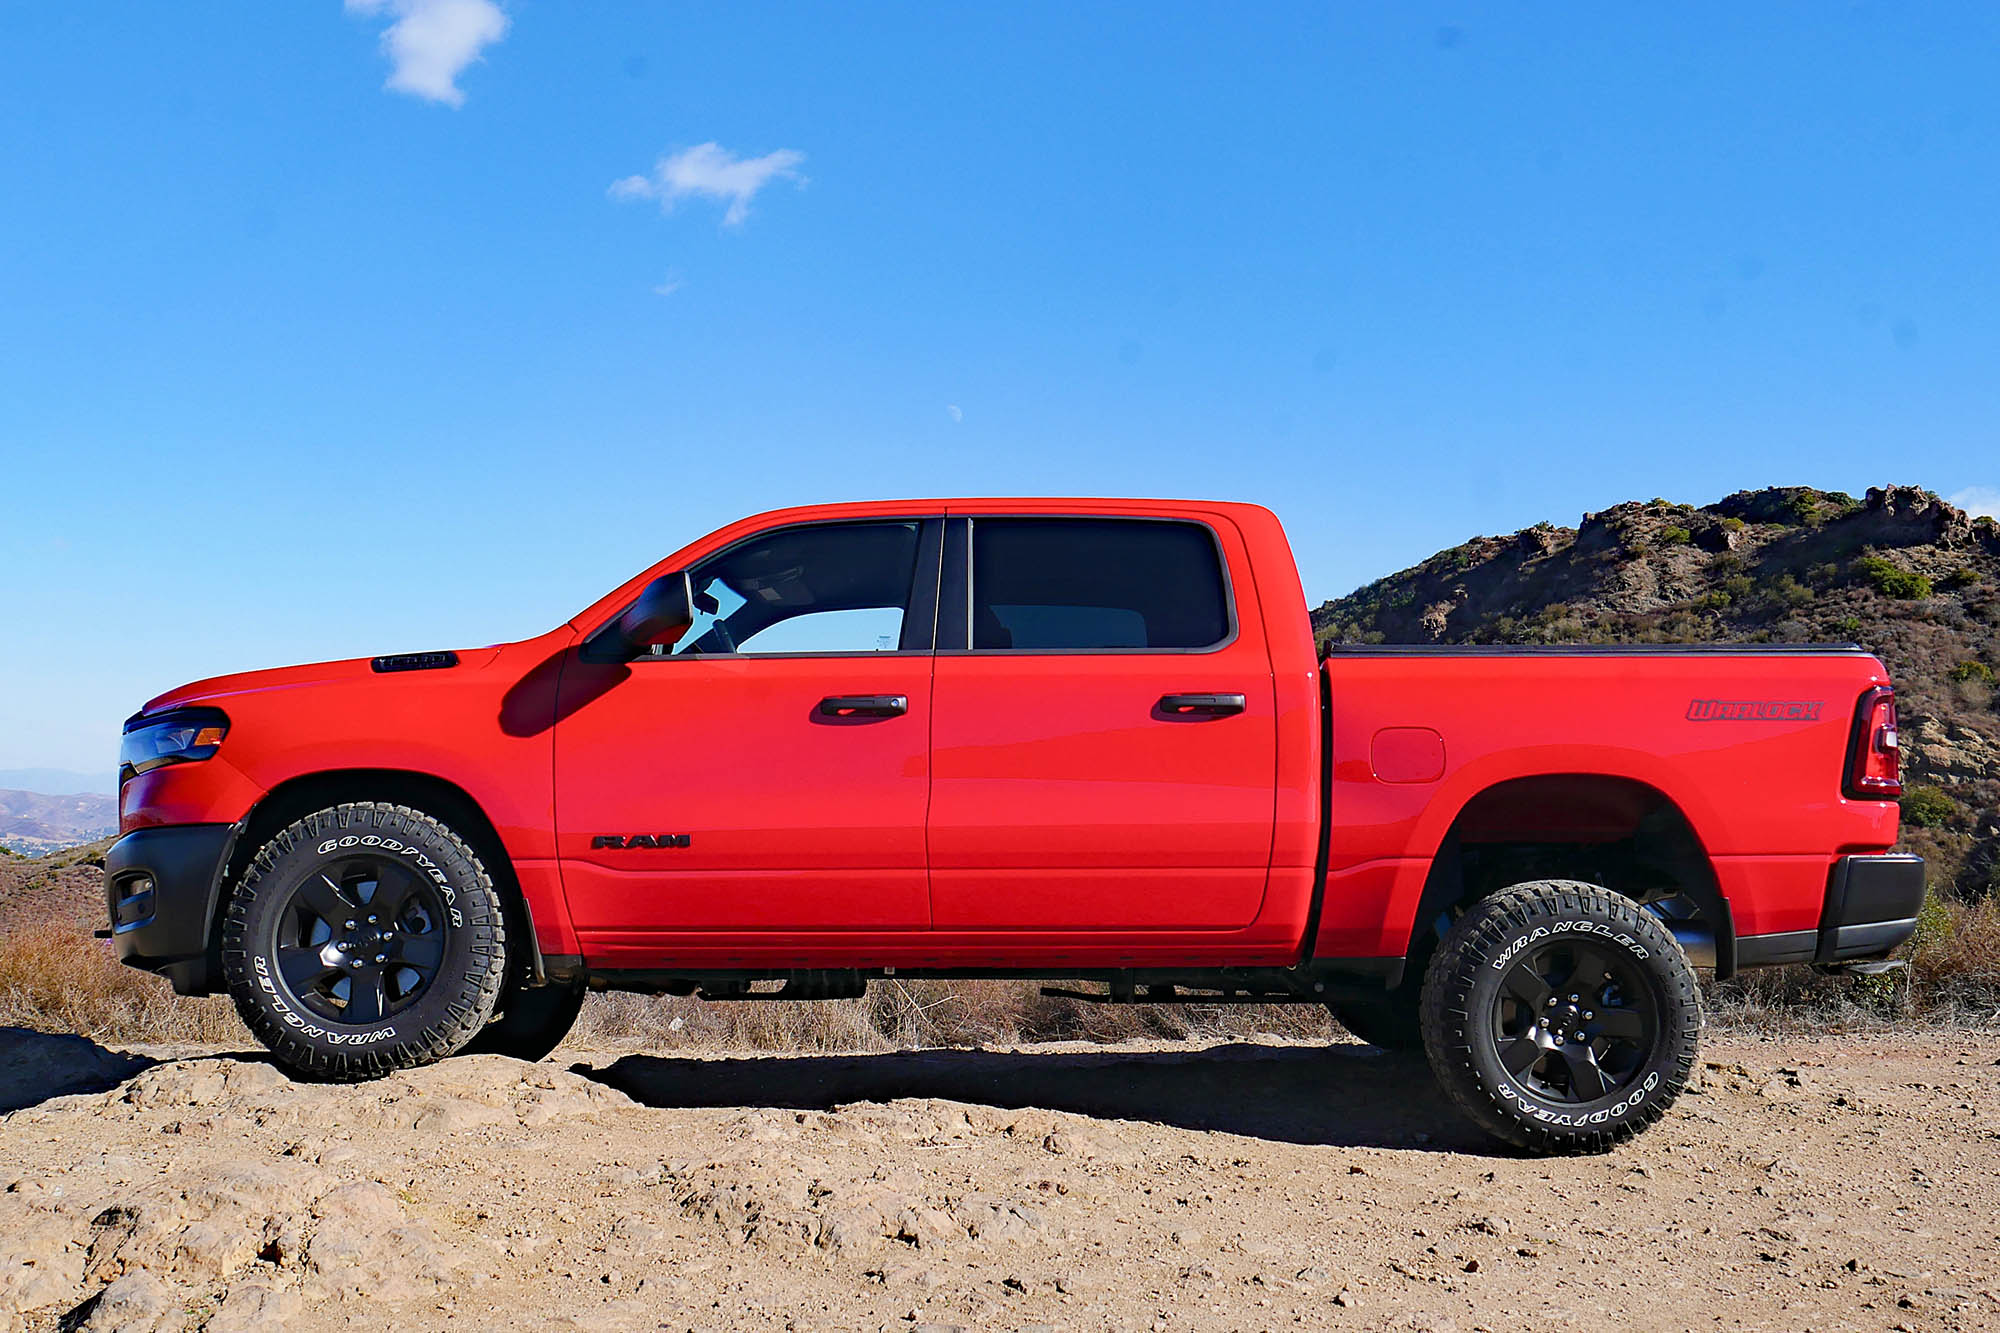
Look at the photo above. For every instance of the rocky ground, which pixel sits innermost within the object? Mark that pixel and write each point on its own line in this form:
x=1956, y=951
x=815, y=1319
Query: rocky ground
x=1839, y=1183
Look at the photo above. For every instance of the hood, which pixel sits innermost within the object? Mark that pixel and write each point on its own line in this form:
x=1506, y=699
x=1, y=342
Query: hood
x=396, y=666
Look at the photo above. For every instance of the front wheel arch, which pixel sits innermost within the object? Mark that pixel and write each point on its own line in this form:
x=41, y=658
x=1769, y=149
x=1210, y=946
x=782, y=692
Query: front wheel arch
x=297, y=797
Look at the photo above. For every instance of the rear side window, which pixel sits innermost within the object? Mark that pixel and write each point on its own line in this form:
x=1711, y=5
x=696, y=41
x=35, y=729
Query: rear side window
x=1084, y=583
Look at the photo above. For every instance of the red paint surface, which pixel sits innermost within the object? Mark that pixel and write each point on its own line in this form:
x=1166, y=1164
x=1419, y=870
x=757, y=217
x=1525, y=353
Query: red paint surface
x=1034, y=809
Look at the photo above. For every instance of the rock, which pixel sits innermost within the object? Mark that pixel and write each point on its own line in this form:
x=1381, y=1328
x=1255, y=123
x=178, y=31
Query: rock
x=254, y=1306
x=136, y=1303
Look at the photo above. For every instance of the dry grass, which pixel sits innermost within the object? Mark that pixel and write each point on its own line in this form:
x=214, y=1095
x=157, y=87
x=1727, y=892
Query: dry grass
x=1953, y=979
x=55, y=978
x=899, y=1014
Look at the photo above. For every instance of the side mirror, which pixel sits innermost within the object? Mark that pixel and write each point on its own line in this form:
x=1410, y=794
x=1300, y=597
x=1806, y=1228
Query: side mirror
x=659, y=616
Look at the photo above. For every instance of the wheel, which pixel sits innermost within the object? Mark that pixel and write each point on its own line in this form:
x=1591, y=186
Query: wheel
x=364, y=938
x=1561, y=1017
x=1391, y=1021
x=535, y=1022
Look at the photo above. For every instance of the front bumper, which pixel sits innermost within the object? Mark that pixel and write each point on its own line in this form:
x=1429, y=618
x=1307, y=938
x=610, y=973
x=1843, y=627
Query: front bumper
x=160, y=888
x=1871, y=907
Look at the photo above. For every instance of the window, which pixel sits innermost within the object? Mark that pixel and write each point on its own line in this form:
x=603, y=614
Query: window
x=1056, y=583
x=816, y=588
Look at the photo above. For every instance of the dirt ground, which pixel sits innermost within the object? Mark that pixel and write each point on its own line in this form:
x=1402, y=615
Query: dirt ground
x=1838, y=1183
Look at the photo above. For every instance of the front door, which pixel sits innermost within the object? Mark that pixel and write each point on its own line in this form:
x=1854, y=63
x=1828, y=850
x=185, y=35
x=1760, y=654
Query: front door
x=770, y=771
x=1104, y=746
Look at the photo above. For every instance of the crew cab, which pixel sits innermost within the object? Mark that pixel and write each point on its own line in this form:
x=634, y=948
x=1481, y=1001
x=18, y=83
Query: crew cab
x=1085, y=741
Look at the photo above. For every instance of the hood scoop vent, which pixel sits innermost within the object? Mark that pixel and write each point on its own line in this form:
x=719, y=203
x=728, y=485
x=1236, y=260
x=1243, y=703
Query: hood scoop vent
x=415, y=662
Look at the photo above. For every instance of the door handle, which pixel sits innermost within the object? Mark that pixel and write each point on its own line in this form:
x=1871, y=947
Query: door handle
x=1201, y=705
x=864, y=705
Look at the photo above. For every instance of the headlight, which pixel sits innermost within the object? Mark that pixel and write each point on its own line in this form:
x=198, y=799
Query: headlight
x=179, y=737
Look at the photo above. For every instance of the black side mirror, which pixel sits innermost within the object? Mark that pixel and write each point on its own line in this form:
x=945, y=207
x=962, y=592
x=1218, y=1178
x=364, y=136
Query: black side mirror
x=659, y=616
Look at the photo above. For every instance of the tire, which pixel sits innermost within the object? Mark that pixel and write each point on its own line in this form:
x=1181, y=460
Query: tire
x=1393, y=1022
x=1525, y=1061
x=535, y=1022
x=336, y=994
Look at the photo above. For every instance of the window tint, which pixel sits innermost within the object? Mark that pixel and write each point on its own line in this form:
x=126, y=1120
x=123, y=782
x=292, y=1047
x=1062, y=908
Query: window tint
x=817, y=588
x=1095, y=583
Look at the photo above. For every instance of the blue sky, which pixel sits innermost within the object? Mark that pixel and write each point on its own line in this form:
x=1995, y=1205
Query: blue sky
x=336, y=329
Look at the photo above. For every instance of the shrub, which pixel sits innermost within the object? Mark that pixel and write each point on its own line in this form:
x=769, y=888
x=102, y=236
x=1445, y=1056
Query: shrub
x=1893, y=580
x=1675, y=536
x=1958, y=578
x=1788, y=591
x=1732, y=525
x=1927, y=807
x=1976, y=673
x=1738, y=586
x=1804, y=509
x=1848, y=625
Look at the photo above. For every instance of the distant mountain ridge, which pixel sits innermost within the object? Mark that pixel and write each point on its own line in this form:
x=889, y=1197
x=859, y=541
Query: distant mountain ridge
x=34, y=823
x=59, y=781
x=1900, y=571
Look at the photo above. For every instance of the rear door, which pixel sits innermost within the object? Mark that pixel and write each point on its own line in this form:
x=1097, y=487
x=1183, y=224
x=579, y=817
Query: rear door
x=1104, y=739
x=770, y=771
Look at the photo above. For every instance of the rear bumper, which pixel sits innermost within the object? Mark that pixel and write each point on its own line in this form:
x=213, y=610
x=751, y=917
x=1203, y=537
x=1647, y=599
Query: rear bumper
x=1871, y=907
x=160, y=887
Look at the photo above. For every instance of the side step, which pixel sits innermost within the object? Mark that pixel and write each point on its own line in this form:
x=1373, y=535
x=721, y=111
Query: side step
x=1871, y=967
x=818, y=984
x=1168, y=993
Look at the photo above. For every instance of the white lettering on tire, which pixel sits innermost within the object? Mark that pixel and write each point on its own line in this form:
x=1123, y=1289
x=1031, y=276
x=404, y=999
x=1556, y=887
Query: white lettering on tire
x=292, y=1018
x=424, y=863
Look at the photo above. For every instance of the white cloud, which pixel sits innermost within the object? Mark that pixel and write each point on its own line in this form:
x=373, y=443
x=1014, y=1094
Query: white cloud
x=432, y=41
x=710, y=171
x=668, y=285
x=954, y=411
x=1978, y=500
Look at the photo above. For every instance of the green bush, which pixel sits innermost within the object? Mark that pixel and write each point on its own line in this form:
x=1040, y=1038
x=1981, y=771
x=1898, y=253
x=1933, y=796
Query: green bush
x=1927, y=807
x=1804, y=509
x=1675, y=536
x=1848, y=625
x=1893, y=580
x=1788, y=591
x=1738, y=586
x=1958, y=578
x=1976, y=672
x=1732, y=525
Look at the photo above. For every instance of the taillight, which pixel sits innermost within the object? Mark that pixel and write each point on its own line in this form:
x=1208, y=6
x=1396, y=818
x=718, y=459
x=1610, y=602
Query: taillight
x=1874, y=761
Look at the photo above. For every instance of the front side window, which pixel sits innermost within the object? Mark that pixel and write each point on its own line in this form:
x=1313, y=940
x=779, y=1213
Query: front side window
x=816, y=588
x=1086, y=583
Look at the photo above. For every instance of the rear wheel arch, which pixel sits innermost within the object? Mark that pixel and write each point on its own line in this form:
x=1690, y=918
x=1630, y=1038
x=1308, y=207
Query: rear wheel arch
x=446, y=801
x=1622, y=833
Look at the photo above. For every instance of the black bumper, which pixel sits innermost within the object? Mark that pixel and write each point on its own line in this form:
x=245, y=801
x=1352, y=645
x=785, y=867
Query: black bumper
x=1871, y=907
x=160, y=887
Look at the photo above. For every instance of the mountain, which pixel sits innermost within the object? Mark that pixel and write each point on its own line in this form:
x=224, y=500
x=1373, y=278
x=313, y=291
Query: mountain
x=104, y=782
x=34, y=823
x=1900, y=571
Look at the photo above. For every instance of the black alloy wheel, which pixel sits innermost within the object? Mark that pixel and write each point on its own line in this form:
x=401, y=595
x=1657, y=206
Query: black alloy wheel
x=361, y=939
x=1575, y=1021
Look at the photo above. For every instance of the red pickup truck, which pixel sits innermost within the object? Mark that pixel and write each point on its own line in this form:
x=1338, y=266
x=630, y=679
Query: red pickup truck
x=1087, y=741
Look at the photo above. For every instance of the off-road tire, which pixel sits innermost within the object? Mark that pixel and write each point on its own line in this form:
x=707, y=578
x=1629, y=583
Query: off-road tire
x=535, y=1021
x=470, y=944
x=1472, y=998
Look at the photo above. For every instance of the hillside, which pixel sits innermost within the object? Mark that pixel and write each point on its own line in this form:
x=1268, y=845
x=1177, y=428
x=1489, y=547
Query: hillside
x=35, y=823
x=1900, y=571
x=65, y=887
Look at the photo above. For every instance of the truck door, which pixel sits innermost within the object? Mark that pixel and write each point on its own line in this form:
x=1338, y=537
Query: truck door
x=1104, y=738
x=770, y=770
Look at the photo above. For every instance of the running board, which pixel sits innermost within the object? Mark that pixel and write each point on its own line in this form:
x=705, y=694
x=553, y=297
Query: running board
x=1169, y=994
